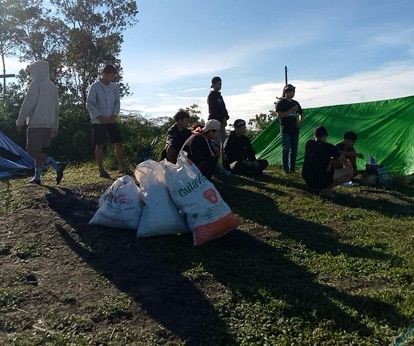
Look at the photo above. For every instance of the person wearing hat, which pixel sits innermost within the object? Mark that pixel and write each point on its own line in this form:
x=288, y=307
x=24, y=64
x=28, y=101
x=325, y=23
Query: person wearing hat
x=177, y=135
x=201, y=148
x=217, y=110
x=290, y=115
x=239, y=155
x=324, y=166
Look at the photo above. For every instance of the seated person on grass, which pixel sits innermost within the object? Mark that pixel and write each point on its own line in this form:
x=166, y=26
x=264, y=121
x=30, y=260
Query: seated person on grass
x=176, y=136
x=201, y=148
x=346, y=147
x=240, y=157
x=324, y=166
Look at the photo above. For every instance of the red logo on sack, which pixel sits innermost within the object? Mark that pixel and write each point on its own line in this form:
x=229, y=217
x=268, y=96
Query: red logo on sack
x=211, y=195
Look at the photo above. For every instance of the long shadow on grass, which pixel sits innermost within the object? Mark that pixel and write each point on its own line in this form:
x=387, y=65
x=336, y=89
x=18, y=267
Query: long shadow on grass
x=259, y=273
x=136, y=269
x=387, y=208
x=319, y=238
x=149, y=270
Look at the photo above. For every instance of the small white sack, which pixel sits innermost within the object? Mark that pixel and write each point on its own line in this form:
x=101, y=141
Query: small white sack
x=120, y=205
x=208, y=216
x=160, y=215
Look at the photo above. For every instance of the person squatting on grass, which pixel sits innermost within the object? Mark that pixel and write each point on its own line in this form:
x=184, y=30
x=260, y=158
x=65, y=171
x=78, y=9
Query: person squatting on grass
x=103, y=104
x=324, y=166
x=40, y=111
x=346, y=147
x=202, y=150
x=176, y=136
x=239, y=156
x=290, y=116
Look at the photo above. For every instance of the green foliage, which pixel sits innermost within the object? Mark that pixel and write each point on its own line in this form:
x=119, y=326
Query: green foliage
x=262, y=120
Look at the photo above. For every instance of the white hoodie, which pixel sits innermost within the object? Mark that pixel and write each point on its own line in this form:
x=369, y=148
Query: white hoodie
x=40, y=108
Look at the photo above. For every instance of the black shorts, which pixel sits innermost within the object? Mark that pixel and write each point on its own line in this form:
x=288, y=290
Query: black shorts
x=100, y=133
x=319, y=181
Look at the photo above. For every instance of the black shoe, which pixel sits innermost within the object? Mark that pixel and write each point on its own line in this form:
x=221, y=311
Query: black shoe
x=59, y=172
x=34, y=181
x=104, y=174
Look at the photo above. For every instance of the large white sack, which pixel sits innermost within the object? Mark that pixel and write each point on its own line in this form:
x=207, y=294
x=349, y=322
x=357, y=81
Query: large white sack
x=208, y=216
x=160, y=215
x=120, y=205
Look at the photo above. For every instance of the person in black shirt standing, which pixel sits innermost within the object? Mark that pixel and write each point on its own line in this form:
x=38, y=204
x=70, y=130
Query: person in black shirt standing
x=176, y=137
x=217, y=111
x=239, y=155
x=217, y=108
x=290, y=115
x=324, y=166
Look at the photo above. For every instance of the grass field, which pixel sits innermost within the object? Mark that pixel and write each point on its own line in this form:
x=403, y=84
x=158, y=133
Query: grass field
x=300, y=270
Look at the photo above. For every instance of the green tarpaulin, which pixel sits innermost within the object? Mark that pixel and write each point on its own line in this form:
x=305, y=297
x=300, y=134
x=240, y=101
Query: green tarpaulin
x=385, y=130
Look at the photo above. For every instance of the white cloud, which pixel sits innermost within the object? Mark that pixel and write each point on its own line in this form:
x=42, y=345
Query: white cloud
x=166, y=67
x=391, y=81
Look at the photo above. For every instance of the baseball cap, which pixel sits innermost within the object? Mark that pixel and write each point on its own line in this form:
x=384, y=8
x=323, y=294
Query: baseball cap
x=215, y=80
x=289, y=87
x=212, y=124
x=239, y=123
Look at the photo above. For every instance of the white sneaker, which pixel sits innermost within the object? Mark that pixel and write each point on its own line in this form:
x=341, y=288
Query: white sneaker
x=347, y=184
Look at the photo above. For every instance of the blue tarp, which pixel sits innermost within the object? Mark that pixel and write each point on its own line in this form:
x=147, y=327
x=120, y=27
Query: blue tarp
x=14, y=161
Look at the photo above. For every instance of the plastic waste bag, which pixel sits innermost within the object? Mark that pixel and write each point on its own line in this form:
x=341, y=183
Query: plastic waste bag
x=208, y=216
x=120, y=205
x=160, y=215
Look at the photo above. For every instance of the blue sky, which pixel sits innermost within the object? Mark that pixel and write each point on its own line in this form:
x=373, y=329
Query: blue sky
x=336, y=51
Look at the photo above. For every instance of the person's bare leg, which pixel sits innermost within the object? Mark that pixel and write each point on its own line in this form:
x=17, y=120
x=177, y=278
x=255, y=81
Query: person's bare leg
x=39, y=159
x=342, y=176
x=119, y=151
x=99, y=156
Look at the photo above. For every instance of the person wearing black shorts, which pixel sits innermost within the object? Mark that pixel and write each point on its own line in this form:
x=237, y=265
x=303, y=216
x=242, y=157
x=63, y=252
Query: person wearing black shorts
x=103, y=104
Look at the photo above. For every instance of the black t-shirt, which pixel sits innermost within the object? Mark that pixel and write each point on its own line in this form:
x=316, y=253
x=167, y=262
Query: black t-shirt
x=177, y=138
x=289, y=124
x=316, y=163
x=216, y=106
x=238, y=148
x=202, y=152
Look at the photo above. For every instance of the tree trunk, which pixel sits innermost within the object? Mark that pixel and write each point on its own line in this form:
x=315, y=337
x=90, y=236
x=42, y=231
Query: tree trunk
x=4, y=72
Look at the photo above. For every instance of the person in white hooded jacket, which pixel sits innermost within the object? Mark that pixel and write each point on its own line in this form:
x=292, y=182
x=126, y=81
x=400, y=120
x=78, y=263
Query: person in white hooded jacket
x=40, y=112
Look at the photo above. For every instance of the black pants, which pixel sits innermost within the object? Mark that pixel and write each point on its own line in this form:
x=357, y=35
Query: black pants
x=250, y=168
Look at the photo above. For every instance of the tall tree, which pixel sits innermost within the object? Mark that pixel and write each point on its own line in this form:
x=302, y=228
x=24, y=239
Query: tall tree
x=94, y=37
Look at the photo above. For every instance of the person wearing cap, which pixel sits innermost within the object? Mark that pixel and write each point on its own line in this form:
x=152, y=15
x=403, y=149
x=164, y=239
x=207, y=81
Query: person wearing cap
x=103, y=104
x=217, y=108
x=290, y=115
x=239, y=155
x=201, y=148
x=324, y=165
x=176, y=137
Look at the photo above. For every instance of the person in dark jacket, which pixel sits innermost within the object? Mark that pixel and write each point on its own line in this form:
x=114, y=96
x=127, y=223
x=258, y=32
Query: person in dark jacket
x=176, y=136
x=324, y=166
x=217, y=111
x=290, y=115
x=201, y=148
x=216, y=106
x=240, y=157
